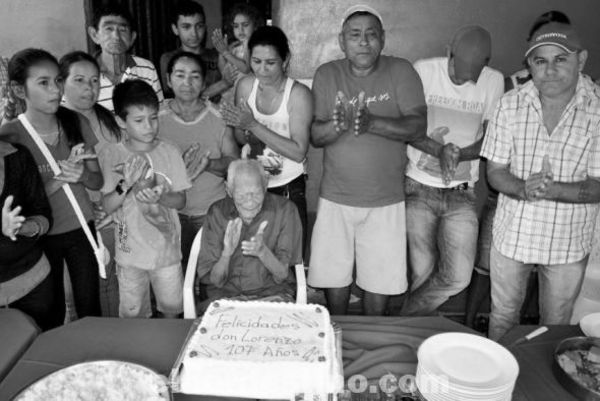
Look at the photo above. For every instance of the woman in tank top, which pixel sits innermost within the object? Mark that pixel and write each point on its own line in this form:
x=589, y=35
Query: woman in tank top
x=272, y=117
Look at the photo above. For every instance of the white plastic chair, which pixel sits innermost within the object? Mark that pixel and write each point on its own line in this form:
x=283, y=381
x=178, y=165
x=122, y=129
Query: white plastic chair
x=189, y=303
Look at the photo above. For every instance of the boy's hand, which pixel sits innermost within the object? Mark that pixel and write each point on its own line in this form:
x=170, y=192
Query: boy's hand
x=150, y=195
x=135, y=168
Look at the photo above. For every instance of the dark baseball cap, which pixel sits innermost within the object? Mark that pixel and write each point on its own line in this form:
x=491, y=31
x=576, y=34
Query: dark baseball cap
x=556, y=34
x=471, y=48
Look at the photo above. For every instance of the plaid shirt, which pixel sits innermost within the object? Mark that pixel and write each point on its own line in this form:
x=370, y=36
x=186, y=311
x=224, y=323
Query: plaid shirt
x=545, y=232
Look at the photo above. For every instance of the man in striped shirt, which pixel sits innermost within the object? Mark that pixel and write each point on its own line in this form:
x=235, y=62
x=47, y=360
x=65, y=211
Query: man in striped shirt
x=543, y=151
x=112, y=30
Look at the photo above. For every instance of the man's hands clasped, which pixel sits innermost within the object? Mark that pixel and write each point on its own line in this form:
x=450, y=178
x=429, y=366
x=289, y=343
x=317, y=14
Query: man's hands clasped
x=537, y=185
x=350, y=117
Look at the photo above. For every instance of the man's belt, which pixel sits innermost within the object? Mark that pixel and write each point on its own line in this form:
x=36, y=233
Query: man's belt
x=460, y=187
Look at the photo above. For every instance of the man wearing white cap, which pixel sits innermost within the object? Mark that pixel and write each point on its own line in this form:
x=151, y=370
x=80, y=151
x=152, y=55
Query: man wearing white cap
x=543, y=151
x=441, y=217
x=367, y=107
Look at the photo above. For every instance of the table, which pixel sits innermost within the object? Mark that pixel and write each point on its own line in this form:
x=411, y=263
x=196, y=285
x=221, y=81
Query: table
x=17, y=332
x=536, y=380
x=371, y=348
x=155, y=343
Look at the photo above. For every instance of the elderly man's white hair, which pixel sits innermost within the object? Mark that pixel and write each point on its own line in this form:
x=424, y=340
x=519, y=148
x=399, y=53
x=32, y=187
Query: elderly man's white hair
x=246, y=166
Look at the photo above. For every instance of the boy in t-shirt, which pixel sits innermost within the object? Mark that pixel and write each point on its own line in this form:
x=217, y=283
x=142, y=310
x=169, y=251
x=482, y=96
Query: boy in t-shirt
x=144, y=183
x=189, y=25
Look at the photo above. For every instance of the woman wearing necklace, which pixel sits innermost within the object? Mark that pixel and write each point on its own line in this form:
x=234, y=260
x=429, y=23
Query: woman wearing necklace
x=207, y=144
x=81, y=77
x=272, y=117
x=34, y=77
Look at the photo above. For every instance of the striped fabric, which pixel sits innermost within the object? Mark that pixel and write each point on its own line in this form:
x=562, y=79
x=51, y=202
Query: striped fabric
x=138, y=68
x=545, y=232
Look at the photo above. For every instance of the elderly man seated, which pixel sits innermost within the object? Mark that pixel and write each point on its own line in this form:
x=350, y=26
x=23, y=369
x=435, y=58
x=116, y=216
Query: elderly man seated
x=250, y=240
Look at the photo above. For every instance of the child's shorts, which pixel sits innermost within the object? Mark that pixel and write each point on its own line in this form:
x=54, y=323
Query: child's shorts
x=134, y=290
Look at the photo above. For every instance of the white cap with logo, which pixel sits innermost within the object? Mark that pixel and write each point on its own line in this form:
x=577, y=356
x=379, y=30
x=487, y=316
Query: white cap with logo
x=358, y=8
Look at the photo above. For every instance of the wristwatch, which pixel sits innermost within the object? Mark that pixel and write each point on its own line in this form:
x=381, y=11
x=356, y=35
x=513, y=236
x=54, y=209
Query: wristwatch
x=120, y=190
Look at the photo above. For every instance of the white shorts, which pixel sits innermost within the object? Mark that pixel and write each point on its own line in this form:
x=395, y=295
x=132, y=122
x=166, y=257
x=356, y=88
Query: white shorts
x=134, y=290
x=375, y=237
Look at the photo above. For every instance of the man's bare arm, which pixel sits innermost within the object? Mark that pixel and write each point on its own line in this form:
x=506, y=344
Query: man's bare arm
x=502, y=180
x=587, y=191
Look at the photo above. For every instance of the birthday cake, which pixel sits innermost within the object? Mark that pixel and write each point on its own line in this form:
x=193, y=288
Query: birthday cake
x=262, y=350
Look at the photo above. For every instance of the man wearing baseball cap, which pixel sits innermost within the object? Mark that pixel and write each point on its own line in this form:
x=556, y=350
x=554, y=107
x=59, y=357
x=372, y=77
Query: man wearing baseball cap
x=543, y=151
x=441, y=216
x=367, y=108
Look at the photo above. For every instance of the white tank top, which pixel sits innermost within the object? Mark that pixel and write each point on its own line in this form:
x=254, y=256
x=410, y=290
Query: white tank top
x=281, y=169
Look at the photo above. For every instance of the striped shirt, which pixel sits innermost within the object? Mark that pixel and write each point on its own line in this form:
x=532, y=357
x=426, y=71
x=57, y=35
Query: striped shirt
x=545, y=232
x=137, y=68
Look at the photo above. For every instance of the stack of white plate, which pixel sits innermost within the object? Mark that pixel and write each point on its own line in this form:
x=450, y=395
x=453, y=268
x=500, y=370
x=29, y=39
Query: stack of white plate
x=465, y=367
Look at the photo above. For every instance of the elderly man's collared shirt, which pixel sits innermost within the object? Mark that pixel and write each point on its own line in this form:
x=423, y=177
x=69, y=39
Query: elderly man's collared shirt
x=247, y=274
x=545, y=232
x=137, y=68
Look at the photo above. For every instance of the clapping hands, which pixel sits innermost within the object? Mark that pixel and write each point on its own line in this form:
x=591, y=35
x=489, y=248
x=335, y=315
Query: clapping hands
x=348, y=116
x=232, y=236
x=256, y=245
x=196, y=161
x=72, y=169
x=219, y=41
x=134, y=169
x=238, y=116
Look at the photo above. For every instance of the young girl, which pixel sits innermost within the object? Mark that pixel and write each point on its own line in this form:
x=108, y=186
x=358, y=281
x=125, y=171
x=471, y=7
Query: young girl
x=81, y=77
x=207, y=144
x=35, y=78
x=234, y=59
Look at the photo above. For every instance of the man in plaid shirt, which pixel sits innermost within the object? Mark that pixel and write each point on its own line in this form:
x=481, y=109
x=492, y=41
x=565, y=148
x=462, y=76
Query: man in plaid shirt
x=543, y=151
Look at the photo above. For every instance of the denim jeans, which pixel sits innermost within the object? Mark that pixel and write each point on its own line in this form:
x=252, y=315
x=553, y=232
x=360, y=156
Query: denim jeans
x=559, y=287
x=441, y=228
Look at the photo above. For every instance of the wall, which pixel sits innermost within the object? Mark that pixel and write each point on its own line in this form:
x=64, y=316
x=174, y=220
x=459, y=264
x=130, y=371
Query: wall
x=421, y=28
x=57, y=26
x=212, y=9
